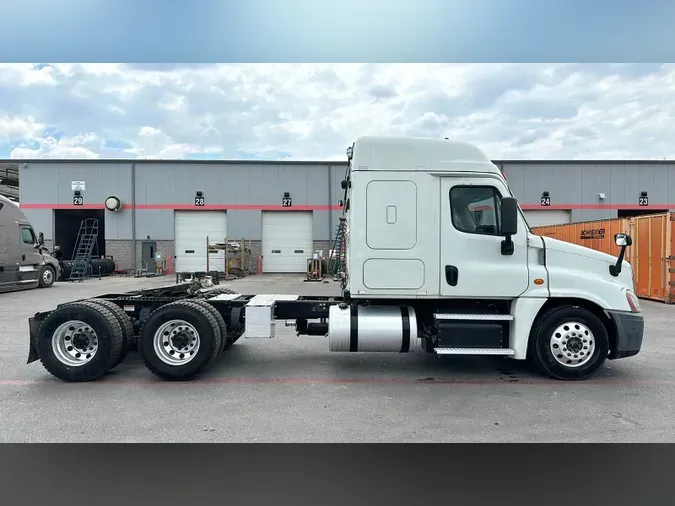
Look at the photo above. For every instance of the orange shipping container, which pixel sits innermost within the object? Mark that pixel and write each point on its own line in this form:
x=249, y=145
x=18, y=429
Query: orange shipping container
x=651, y=254
x=597, y=235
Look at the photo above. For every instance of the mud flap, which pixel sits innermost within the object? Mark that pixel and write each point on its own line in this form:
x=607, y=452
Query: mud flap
x=33, y=326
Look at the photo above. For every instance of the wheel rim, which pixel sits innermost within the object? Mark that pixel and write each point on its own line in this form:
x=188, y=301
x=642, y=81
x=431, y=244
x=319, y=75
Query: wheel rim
x=176, y=342
x=74, y=343
x=47, y=276
x=572, y=344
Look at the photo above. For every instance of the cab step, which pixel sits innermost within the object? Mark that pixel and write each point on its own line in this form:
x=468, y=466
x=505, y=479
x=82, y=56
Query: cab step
x=473, y=317
x=475, y=351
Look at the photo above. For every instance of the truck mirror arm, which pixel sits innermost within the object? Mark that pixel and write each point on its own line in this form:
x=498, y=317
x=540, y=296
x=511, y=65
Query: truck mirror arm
x=507, y=246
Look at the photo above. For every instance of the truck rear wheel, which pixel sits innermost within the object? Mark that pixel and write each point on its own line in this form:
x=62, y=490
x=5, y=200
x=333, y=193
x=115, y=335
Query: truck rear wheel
x=569, y=343
x=128, y=334
x=79, y=342
x=222, y=327
x=179, y=341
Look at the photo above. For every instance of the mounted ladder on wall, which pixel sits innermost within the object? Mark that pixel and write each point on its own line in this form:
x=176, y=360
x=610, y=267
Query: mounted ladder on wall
x=86, y=247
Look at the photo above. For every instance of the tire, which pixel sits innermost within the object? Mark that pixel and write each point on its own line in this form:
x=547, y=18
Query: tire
x=54, y=333
x=128, y=334
x=561, y=327
x=189, y=320
x=47, y=276
x=222, y=327
x=67, y=269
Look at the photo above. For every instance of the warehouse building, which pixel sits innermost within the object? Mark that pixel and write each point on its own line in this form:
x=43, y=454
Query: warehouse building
x=283, y=210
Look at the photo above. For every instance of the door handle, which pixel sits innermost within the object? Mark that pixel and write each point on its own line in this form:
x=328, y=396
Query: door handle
x=23, y=258
x=451, y=275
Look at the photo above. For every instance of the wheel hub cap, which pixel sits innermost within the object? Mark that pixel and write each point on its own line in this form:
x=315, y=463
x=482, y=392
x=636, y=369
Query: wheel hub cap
x=572, y=344
x=176, y=342
x=74, y=343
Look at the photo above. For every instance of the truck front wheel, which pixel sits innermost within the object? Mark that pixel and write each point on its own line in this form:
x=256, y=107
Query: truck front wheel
x=47, y=276
x=569, y=343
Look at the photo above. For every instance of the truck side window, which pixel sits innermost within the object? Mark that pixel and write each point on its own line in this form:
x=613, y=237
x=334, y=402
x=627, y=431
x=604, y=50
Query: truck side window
x=476, y=209
x=27, y=235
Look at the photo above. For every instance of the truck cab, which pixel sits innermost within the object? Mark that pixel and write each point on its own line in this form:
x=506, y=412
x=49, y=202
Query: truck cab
x=24, y=261
x=433, y=224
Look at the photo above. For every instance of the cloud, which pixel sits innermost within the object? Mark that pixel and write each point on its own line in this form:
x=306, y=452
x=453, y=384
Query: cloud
x=293, y=111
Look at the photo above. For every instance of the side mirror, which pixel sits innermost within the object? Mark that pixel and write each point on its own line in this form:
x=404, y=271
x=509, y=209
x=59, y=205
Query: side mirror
x=623, y=240
x=41, y=239
x=509, y=216
x=509, y=212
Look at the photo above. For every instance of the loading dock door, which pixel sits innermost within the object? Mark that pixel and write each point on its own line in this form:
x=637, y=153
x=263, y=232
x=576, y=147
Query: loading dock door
x=546, y=217
x=287, y=241
x=191, y=230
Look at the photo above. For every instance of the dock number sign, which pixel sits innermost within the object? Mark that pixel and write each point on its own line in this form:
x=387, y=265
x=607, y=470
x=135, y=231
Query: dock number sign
x=643, y=201
x=286, y=202
x=199, y=201
x=78, y=200
x=546, y=201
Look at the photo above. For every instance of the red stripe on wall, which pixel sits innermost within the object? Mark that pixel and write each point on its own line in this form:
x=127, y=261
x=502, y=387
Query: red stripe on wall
x=569, y=207
x=236, y=207
x=263, y=207
x=182, y=207
x=61, y=206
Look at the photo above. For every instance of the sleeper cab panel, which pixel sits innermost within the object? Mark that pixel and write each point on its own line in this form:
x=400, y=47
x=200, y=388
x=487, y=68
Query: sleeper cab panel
x=391, y=215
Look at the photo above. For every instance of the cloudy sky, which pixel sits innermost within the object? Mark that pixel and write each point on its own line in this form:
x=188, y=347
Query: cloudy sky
x=309, y=111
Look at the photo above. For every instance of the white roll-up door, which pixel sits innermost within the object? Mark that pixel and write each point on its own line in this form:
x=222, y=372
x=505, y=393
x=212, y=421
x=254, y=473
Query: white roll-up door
x=545, y=217
x=191, y=231
x=287, y=241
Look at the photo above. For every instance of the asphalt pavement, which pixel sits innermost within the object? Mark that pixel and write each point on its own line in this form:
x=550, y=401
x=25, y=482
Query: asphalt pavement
x=292, y=389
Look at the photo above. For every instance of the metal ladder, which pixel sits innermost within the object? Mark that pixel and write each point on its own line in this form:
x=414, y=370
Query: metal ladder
x=337, y=264
x=86, y=246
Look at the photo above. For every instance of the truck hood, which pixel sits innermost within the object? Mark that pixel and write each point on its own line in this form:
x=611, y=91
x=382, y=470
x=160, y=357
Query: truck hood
x=575, y=249
x=596, y=262
x=49, y=259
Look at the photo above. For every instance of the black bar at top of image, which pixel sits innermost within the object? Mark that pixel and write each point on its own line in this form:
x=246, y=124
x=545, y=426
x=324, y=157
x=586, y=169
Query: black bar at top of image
x=336, y=474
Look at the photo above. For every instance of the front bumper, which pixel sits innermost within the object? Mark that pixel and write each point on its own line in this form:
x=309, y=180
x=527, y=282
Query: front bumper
x=630, y=328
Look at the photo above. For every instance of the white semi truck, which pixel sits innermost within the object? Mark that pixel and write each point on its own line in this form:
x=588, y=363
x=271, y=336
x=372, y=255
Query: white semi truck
x=439, y=257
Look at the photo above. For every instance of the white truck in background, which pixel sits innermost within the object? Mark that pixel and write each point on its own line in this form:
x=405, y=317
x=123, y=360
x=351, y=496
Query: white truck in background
x=439, y=257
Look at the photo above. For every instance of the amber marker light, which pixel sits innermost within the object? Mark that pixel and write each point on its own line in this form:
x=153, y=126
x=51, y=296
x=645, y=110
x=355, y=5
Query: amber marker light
x=538, y=281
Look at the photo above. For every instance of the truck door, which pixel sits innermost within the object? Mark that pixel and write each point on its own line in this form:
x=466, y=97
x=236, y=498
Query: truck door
x=472, y=263
x=31, y=258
